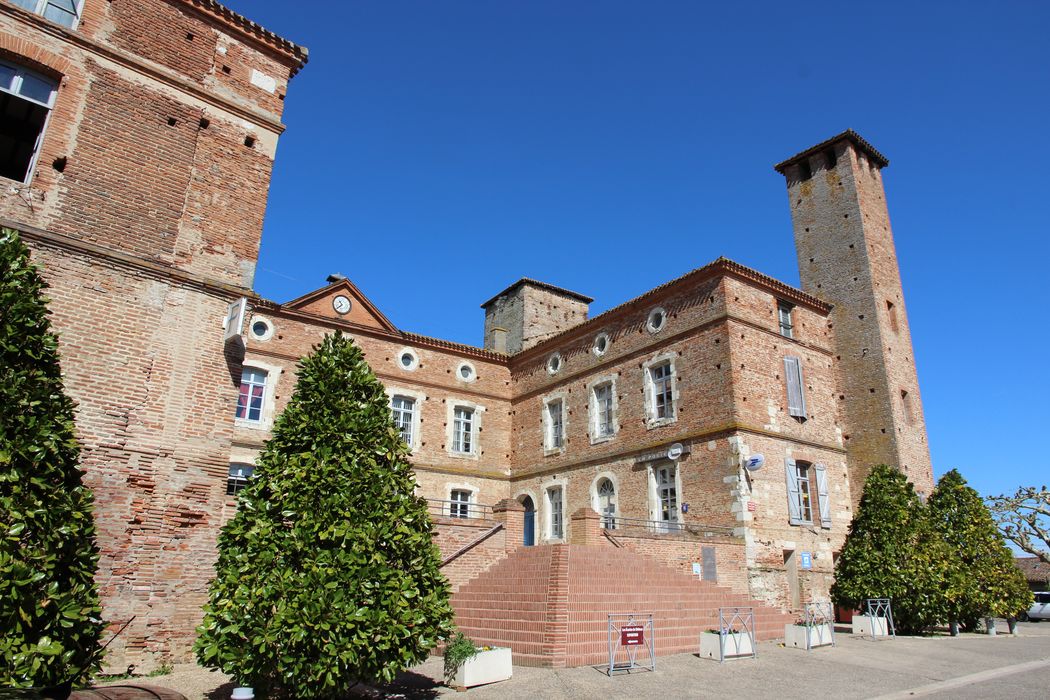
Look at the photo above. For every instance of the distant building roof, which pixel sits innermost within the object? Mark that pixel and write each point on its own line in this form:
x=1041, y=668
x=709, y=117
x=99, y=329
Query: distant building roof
x=1034, y=569
x=542, y=285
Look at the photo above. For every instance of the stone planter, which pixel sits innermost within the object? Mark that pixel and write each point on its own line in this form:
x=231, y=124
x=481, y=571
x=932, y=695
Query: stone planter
x=862, y=624
x=485, y=667
x=819, y=636
x=737, y=644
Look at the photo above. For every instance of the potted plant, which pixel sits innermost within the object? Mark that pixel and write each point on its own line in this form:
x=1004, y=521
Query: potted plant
x=873, y=626
x=468, y=665
x=807, y=634
x=735, y=644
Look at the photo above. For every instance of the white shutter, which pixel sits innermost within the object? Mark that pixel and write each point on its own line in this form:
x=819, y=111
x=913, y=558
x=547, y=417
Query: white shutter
x=794, y=510
x=793, y=375
x=822, y=495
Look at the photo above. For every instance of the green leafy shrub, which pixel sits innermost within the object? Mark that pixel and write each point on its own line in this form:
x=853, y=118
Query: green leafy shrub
x=893, y=551
x=49, y=605
x=991, y=584
x=327, y=574
x=459, y=649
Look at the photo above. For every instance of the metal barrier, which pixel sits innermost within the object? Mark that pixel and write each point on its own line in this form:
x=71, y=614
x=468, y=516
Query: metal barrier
x=880, y=608
x=441, y=508
x=629, y=526
x=819, y=616
x=736, y=635
x=630, y=632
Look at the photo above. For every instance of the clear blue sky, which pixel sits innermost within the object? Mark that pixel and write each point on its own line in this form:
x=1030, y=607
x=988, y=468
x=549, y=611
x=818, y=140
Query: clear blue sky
x=438, y=151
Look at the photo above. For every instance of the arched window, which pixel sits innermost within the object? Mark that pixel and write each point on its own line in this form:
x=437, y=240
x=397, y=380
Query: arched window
x=607, y=503
x=26, y=99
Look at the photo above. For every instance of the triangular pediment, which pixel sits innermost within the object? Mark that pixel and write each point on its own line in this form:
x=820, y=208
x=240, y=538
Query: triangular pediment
x=331, y=302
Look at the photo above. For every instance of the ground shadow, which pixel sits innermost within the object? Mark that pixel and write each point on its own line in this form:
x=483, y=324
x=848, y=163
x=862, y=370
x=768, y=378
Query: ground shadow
x=408, y=684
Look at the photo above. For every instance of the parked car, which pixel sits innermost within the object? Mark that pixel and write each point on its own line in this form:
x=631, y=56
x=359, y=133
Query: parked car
x=1040, y=609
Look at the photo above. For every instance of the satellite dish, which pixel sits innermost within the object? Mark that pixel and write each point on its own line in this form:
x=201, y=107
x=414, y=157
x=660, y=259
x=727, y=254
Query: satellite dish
x=675, y=451
x=754, y=463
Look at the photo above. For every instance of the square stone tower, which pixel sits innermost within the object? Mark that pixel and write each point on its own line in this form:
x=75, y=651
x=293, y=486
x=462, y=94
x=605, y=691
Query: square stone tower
x=846, y=256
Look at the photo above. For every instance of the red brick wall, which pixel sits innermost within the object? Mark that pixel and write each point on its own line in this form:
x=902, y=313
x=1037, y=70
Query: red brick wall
x=451, y=534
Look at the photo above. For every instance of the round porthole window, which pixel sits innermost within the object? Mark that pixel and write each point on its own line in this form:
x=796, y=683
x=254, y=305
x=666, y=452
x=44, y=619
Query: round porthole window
x=554, y=363
x=657, y=320
x=261, y=328
x=407, y=359
x=466, y=372
x=601, y=344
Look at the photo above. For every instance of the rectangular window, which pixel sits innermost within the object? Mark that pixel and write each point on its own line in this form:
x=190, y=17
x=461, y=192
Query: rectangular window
x=555, y=424
x=238, y=478
x=403, y=409
x=796, y=397
x=554, y=496
x=460, y=505
x=666, y=494
x=603, y=406
x=26, y=99
x=787, y=328
x=663, y=391
x=252, y=392
x=800, y=501
x=463, y=430
x=64, y=12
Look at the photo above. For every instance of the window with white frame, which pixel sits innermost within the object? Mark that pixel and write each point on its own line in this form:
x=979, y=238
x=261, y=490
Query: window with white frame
x=64, y=12
x=251, y=395
x=662, y=388
x=807, y=489
x=238, y=478
x=555, y=421
x=607, y=503
x=403, y=409
x=459, y=503
x=787, y=328
x=795, y=395
x=603, y=410
x=26, y=100
x=463, y=430
x=666, y=492
x=556, y=510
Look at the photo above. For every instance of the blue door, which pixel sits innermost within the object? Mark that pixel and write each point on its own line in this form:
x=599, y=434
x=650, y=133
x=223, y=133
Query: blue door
x=530, y=521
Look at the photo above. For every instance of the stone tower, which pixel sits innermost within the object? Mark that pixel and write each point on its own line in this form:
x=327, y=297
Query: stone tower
x=528, y=312
x=846, y=256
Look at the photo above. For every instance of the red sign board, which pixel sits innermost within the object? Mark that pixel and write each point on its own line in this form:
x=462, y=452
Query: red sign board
x=633, y=636
x=750, y=506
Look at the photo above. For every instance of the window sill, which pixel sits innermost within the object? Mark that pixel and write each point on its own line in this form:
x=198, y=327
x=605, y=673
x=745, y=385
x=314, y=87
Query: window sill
x=603, y=438
x=660, y=422
x=253, y=424
x=462, y=455
x=553, y=452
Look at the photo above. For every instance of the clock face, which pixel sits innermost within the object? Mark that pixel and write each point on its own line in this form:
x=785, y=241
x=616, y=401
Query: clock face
x=341, y=304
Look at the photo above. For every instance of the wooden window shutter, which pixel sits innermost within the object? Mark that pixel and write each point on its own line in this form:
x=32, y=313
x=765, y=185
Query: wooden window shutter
x=793, y=375
x=822, y=495
x=790, y=477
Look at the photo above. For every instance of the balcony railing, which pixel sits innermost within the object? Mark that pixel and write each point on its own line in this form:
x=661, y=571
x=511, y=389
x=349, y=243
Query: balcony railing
x=440, y=508
x=617, y=525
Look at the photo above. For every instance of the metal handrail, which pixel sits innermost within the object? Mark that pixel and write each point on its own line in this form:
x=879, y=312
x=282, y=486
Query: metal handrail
x=621, y=525
x=444, y=508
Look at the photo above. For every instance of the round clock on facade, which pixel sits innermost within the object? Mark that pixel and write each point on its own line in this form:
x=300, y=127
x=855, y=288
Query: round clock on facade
x=341, y=304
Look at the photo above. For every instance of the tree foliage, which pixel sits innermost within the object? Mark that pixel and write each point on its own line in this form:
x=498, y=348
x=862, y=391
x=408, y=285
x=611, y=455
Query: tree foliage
x=991, y=585
x=49, y=605
x=327, y=574
x=1024, y=519
x=893, y=551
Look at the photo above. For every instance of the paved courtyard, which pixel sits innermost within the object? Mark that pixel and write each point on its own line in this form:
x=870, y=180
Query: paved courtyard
x=970, y=666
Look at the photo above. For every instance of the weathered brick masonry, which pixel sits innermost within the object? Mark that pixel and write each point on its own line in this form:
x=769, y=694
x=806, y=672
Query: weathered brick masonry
x=145, y=209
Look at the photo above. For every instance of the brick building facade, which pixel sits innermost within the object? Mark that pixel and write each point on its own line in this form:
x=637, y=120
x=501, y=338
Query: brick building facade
x=137, y=154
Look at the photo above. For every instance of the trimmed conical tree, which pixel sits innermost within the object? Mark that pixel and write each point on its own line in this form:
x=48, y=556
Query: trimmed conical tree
x=49, y=605
x=893, y=551
x=327, y=574
x=991, y=584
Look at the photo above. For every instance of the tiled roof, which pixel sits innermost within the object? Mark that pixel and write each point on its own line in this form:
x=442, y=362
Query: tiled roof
x=849, y=134
x=542, y=285
x=1034, y=569
x=299, y=53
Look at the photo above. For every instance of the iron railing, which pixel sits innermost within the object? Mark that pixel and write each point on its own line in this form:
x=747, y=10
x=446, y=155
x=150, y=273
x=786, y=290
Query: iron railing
x=617, y=525
x=441, y=508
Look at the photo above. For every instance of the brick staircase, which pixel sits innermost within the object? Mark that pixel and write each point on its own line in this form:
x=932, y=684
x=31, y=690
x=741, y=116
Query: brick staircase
x=549, y=604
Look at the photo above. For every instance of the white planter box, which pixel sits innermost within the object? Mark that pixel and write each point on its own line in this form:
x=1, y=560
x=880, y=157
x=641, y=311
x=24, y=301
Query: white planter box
x=736, y=644
x=485, y=667
x=862, y=624
x=795, y=636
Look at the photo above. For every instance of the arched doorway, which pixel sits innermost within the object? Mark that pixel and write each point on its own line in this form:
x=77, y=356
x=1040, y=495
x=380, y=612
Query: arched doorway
x=529, y=529
x=606, y=505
